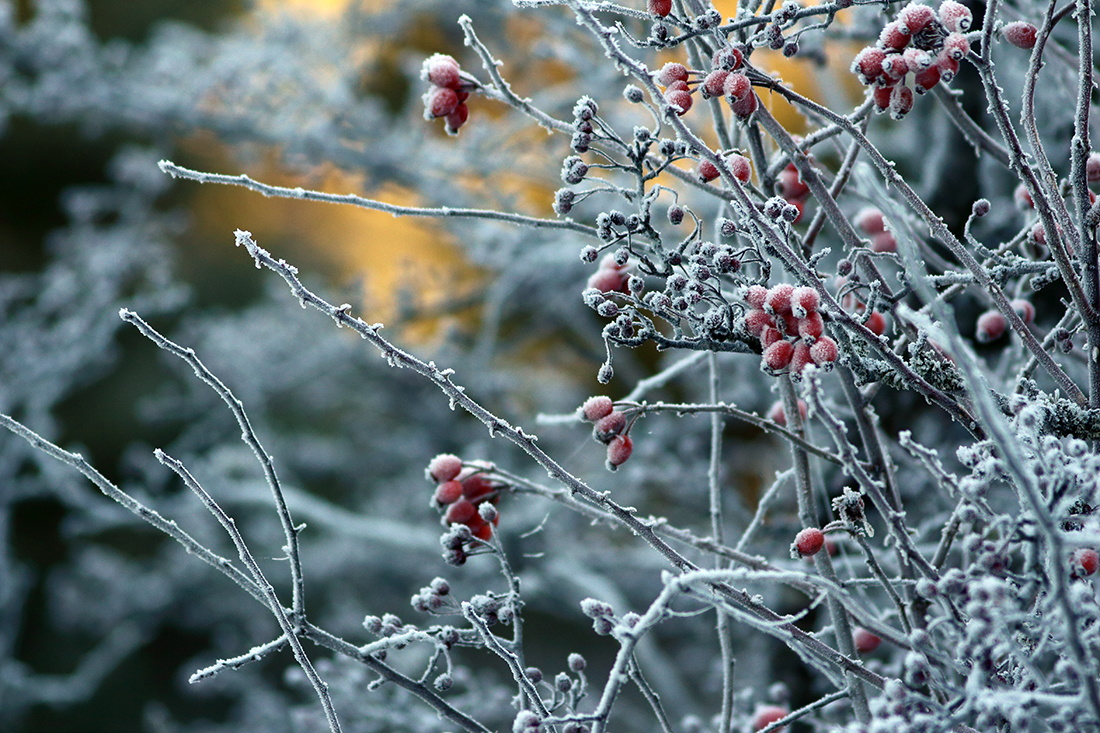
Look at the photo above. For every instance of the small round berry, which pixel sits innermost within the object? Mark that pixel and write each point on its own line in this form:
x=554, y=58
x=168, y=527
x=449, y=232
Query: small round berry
x=876, y=323
x=706, y=172
x=800, y=357
x=773, y=207
x=633, y=94
x=1092, y=167
x=792, y=212
x=448, y=492
x=894, y=36
x=765, y=715
x=456, y=119
x=790, y=184
x=916, y=17
x=596, y=408
x=865, y=642
x=755, y=295
x=1086, y=560
x=439, y=102
x=901, y=101
x=743, y=108
x=619, y=450
x=779, y=417
x=1024, y=309
x=870, y=220
x=441, y=70
x=714, y=84
x=756, y=321
x=680, y=100
x=476, y=486
x=884, y=242
x=824, y=351
x=608, y=426
x=948, y=67
x=672, y=72
x=777, y=356
x=881, y=97
x=925, y=80
x=607, y=281
x=991, y=326
x=563, y=201
x=1021, y=34
x=980, y=208
x=867, y=65
x=809, y=541
x=956, y=46
x=778, y=299
x=955, y=16
x=740, y=167
x=811, y=326
x=444, y=467
x=727, y=58
x=660, y=8
x=736, y=87
x=460, y=512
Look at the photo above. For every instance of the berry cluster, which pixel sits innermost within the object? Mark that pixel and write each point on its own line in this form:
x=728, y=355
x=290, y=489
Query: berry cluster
x=790, y=328
x=724, y=79
x=466, y=497
x=920, y=42
x=609, y=428
x=992, y=324
x=447, y=95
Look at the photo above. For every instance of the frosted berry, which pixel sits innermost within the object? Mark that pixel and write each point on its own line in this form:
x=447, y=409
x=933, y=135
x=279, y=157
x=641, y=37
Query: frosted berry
x=439, y=102
x=765, y=715
x=790, y=184
x=881, y=96
x=714, y=84
x=1024, y=309
x=778, y=299
x=755, y=295
x=448, y=492
x=804, y=300
x=779, y=417
x=924, y=81
x=811, y=326
x=477, y=486
x=894, y=36
x=619, y=450
x=460, y=512
x=916, y=17
x=865, y=642
x=876, y=322
x=740, y=166
x=1092, y=167
x=442, y=71
x=444, y=467
x=743, y=108
x=956, y=46
x=672, y=72
x=595, y=408
x=706, y=172
x=777, y=356
x=607, y=281
x=991, y=326
x=901, y=101
x=736, y=87
x=884, y=242
x=955, y=16
x=1086, y=561
x=1021, y=34
x=948, y=67
x=728, y=58
x=680, y=100
x=1023, y=197
x=867, y=65
x=660, y=8
x=609, y=426
x=800, y=357
x=756, y=321
x=456, y=119
x=824, y=351
x=809, y=541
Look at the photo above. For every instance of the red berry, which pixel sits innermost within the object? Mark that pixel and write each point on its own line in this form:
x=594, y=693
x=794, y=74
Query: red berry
x=881, y=95
x=609, y=426
x=476, y=486
x=755, y=295
x=756, y=321
x=884, y=242
x=1024, y=309
x=894, y=68
x=680, y=100
x=867, y=65
x=1092, y=167
x=439, y=102
x=777, y=416
x=660, y=8
x=714, y=85
x=809, y=541
x=740, y=167
x=991, y=326
x=870, y=220
x=948, y=67
x=670, y=72
x=736, y=87
x=894, y=36
x=901, y=101
x=460, y=512
x=482, y=530
x=956, y=46
x=769, y=336
x=865, y=641
x=743, y=108
x=804, y=300
x=824, y=351
x=727, y=58
x=955, y=16
x=790, y=183
x=448, y=492
x=595, y=408
x=706, y=172
x=457, y=119
x=916, y=17
x=1038, y=234
x=876, y=322
x=1023, y=197
x=778, y=299
x=800, y=357
x=924, y=81
x=1086, y=560
x=441, y=70
x=1021, y=34
x=444, y=467
x=618, y=450
x=777, y=357
x=811, y=327
x=607, y=281
x=765, y=715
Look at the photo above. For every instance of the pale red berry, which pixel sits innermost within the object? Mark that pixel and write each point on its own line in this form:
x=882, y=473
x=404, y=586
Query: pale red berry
x=955, y=16
x=867, y=65
x=714, y=84
x=924, y=81
x=870, y=220
x=680, y=100
x=991, y=326
x=755, y=295
x=660, y=8
x=824, y=351
x=439, y=102
x=619, y=449
x=893, y=36
x=595, y=408
x=671, y=72
x=809, y=541
x=876, y=322
x=609, y=426
x=756, y=321
x=1024, y=309
x=956, y=46
x=884, y=242
x=441, y=70
x=1038, y=234
x=444, y=467
x=1020, y=34
x=948, y=67
x=777, y=416
x=460, y=512
x=448, y=492
x=1086, y=560
x=607, y=281
x=743, y=108
x=777, y=357
x=778, y=299
x=791, y=186
x=736, y=87
x=765, y=715
x=790, y=323
x=916, y=17
x=1023, y=197
x=1092, y=167
x=865, y=641
x=811, y=326
x=706, y=171
x=740, y=167
x=804, y=300
x=901, y=101
x=457, y=119
x=800, y=357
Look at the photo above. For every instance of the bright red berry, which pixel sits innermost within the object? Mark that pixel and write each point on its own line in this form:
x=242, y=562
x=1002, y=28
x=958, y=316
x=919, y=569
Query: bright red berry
x=714, y=84
x=864, y=640
x=778, y=299
x=948, y=67
x=777, y=356
x=956, y=46
x=824, y=351
x=809, y=541
x=924, y=81
x=791, y=186
x=619, y=450
x=804, y=300
x=740, y=167
x=706, y=172
x=743, y=108
x=1021, y=34
x=893, y=36
x=867, y=65
x=1086, y=560
x=800, y=357
x=680, y=100
x=595, y=408
x=476, y=486
x=660, y=8
x=670, y=72
x=736, y=87
x=765, y=715
x=444, y=467
x=756, y=321
x=991, y=326
x=460, y=512
x=441, y=70
x=876, y=322
x=439, y=102
x=916, y=17
x=811, y=327
x=881, y=95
